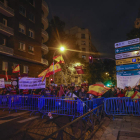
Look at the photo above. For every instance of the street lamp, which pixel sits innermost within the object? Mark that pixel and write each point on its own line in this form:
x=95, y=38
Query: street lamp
x=61, y=49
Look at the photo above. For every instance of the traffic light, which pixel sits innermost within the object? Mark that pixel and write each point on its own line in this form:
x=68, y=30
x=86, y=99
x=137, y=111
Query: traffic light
x=90, y=59
x=51, y=81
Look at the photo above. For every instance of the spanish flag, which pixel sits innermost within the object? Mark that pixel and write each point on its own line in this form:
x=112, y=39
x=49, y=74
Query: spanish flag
x=49, y=71
x=16, y=69
x=98, y=89
x=59, y=59
x=57, y=67
x=43, y=72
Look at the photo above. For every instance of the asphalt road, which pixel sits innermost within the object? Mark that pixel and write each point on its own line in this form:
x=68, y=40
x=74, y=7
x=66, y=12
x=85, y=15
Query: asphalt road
x=21, y=126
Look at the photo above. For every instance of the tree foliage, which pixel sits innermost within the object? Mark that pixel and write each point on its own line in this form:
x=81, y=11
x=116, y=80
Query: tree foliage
x=134, y=33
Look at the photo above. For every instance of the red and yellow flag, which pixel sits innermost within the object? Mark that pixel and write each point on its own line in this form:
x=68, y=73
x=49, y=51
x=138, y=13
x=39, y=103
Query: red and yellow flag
x=57, y=67
x=98, y=89
x=49, y=71
x=59, y=59
x=16, y=69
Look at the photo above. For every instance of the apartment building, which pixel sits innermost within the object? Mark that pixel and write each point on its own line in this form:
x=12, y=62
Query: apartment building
x=22, y=34
x=83, y=36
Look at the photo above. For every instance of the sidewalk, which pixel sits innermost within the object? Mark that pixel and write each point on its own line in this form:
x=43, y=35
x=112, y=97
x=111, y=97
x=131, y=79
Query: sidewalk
x=121, y=128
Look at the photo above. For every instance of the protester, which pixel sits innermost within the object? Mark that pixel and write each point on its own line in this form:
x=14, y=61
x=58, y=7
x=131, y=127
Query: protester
x=112, y=92
x=76, y=92
x=68, y=93
x=82, y=94
x=129, y=92
x=117, y=93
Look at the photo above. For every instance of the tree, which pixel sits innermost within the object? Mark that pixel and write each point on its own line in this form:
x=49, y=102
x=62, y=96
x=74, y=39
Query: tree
x=134, y=33
x=58, y=37
x=96, y=72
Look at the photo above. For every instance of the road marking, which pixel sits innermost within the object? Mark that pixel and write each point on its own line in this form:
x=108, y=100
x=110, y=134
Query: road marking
x=15, y=114
x=4, y=121
x=29, y=119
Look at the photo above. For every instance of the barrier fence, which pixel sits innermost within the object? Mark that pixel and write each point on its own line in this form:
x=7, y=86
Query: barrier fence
x=66, y=106
x=122, y=106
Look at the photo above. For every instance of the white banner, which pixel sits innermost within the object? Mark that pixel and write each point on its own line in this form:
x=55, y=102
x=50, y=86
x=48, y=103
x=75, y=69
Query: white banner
x=31, y=83
x=126, y=55
x=127, y=43
x=123, y=81
x=2, y=84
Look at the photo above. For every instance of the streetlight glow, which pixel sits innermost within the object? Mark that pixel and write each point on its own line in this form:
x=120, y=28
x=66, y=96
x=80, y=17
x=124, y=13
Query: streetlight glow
x=62, y=48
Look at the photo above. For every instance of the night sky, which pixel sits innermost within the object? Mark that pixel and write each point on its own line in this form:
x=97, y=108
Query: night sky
x=107, y=20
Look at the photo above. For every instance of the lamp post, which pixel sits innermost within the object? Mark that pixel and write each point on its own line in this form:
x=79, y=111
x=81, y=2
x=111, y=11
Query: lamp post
x=61, y=49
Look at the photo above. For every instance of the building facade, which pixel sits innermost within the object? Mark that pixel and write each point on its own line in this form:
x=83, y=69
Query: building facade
x=22, y=34
x=83, y=41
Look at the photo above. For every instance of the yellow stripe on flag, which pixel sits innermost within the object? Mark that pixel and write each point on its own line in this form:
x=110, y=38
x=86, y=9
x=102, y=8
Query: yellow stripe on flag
x=16, y=69
x=59, y=59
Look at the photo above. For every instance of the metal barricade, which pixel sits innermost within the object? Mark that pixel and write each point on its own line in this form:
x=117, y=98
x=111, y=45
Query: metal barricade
x=56, y=105
x=61, y=106
x=4, y=101
x=122, y=106
x=29, y=103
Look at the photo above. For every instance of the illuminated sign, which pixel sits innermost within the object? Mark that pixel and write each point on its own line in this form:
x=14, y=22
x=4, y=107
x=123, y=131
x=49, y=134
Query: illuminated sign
x=127, y=43
x=127, y=61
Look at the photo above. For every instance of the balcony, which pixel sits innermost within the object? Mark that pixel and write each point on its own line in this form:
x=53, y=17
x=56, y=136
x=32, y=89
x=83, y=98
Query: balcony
x=45, y=8
x=6, y=50
x=45, y=48
x=5, y=10
x=45, y=22
x=44, y=61
x=45, y=35
x=6, y=30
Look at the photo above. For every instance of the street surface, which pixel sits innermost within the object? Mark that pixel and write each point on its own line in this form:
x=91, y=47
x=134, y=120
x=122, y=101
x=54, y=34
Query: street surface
x=22, y=126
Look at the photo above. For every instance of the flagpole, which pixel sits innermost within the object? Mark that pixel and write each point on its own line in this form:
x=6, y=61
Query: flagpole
x=53, y=67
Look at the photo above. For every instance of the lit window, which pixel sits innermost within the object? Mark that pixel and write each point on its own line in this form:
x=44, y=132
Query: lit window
x=22, y=46
x=22, y=10
x=4, y=42
x=32, y=17
x=31, y=49
x=5, y=21
x=4, y=66
x=83, y=36
x=83, y=56
x=83, y=49
x=83, y=43
x=22, y=28
x=25, y=69
x=31, y=33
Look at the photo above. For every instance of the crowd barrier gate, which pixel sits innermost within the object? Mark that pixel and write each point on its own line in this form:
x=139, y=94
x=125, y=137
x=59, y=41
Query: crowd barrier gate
x=66, y=106
x=122, y=106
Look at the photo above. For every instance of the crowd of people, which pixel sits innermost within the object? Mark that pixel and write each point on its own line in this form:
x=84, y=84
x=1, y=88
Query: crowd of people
x=51, y=91
x=126, y=92
x=71, y=91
